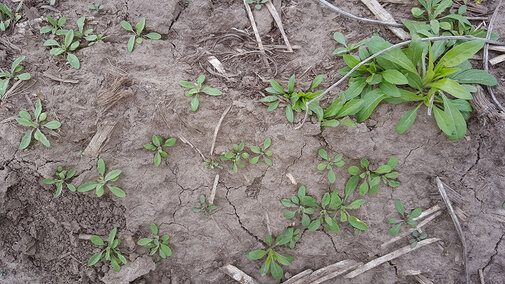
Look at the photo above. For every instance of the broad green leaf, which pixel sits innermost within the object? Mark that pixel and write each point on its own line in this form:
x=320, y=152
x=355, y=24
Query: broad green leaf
x=153, y=35
x=170, y=142
x=383, y=169
x=100, y=166
x=97, y=240
x=211, y=91
x=289, y=113
x=39, y=136
x=353, y=170
x=277, y=87
x=165, y=249
x=474, y=76
x=140, y=25
x=339, y=37
x=394, y=56
x=370, y=101
x=276, y=270
x=308, y=201
x=407, y=120
x=393, y=162
x=395, y=229
x=194, y=103
x=460, y=53
x=452, y=87
x=389, y=89
x=357, y=223
x=350, y=186
x=331, y=176
x=399, y=207
x=69, y=38
x=355, y=204
x=73, y=60
x=87, y=186
x=443, y=121
x=314, y=225
x=317, y=81
x=24, y=76
x=351, y=107
x=374, y=185
x=267, y=143
x=95, y=258
x=131, y=43
x=456, y=119
x=356, y=86
x=117, y=191
x=112, y=175
x=415, y=213
x=394, y=77
x=363, y=188
x=54, y=124
x=255, y=160
x=187, y=84
x=323, y=154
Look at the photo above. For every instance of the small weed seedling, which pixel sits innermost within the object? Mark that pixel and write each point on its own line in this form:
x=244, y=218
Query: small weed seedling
x=340, y=38
x=409, y=219
x=68, y=47
x=96, y=7
x=156, y=243
x=137, y=34
x=236, y=156
x=303, y=204
x=372, y=178
x=262, y=152
x=329, y=164
x=271, y=264
x=295, y=101
x=55, y=26
x=203, y=206
x=417, y=237
x=88, y=35
x=194, y=90
x=102, y=181
x=5, y=77
x=7, y=17
x=257, y=3
x=25, y=119
x=157, y=146
x=109, y=251
x=62, y=176
x=293, y=235
x=209, y=163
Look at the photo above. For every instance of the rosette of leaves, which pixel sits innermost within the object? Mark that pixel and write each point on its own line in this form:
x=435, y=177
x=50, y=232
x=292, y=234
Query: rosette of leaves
x=203, y=206
x=7, y=17
x=194, y=90
x=109, y=251
x=257, y=3
x=25, y=119
x=137, y=34
x=329, y=164
x=61, y=178
x=417, y=237
x=5, y=77
x=157, y=146
x=371, y=179
x=274, y=260
x=294, y=100
x=302, y=203
x=103, y=181
x=67, y=48
x=55, y=26
x=331, y=206
x=156, y=243
x=406, y=218
x=236, y=156
x=293, y=235
x=262, y=152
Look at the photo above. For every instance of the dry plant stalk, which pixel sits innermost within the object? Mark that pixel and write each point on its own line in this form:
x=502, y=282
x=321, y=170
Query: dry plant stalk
x=238, y=275
x=100, y=138
x=116, y=92
x=383, y=15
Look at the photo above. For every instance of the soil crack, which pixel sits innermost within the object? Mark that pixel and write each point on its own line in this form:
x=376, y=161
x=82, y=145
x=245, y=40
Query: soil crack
x=476, y=160
x=491, y=259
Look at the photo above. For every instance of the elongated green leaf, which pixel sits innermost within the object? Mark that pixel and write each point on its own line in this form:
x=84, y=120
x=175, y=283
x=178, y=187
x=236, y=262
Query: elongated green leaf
x=131, y=43
x=456, y=117
x=54, y=124
x=277, y=87
x=87, y=186
x=95, y=258
x=452, y=87
x=25, y=141
x=73, y=60
x=356, y=86
x=256, y=254
x=350, y=186
x=127, y=26
x=112, y=175
x=212, y=91
x=153, y=35
x=39, y=136
x=460, y=53
x=117, y=191
x=370, y=102
x=443, y=121
x=351, y=107
x=407, y=120
x=357, y=223
x=140, y=25
x=394, y=77
x=97, y=240
x=474, y=76
x=289, y=113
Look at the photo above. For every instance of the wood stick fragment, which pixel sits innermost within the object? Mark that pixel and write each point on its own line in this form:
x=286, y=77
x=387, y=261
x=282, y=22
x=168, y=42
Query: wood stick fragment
x=216, y=130
x=256, y=33
x=497, y=59
x=481, y=276
x=277, y=19
x=332, y=271
x=269, y=228
x=455, y=220
x=214, y=187
x=408, y=232
x=390, y=256
x=100, y=138
x=291, y=178
x=186, y=141
x=238, y=275
x=52, y=77
x=383, y=15
x=428, y=212
x=421, y=279
x=11, y=90
x=297, y=277
x=497, y=48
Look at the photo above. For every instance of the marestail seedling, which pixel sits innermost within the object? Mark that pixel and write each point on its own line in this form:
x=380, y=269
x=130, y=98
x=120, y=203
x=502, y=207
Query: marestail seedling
x=406, y=218
x=61, y=178
x=7, y=76
x=7, y=17
x=68, y=47
x=158, y=146
x=372, y=178
x=137, y=37
x=262, y=152
x=257, y=3
x=109, y=251
x=204, y=207
x=274, y=260
x=55, y=27
x=236, y=156
x=25, y=119
x=194, y=90
x=157, y=243
x=103, y=181
x=329, y=164
x=417, y=236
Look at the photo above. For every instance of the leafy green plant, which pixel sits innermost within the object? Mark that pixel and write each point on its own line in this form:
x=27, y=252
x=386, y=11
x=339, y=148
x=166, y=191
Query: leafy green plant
x=55, y=26
x=431, y=9
x=96, y=7
x=333, y=116
x=417, y=237
x=262, y=152
x=273, y=258
x=211, y=164
x=204, y=207
x=109, y=251
x=294, y=101
x=5, y=77
x=61, y=177
x=7, y=17
x=194, y=90
x=102, y=181
x=68, y=47
x=157, y=146
x=372, y=178
x=329, y=164
x=25, y=119
x=257, y=3
x=236, y=156
x=340, y=38
x=292, y=235
x=156, y=243
x=137, y=34
x=409, y=218
x=302, y=203
x=87, y=34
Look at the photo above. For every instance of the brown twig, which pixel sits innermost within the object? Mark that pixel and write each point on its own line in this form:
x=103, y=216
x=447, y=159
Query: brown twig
x=238, y=275
x=455, y=220
x=376, y=8
x=275, y=15
x=256, y=33
x=216, y=130
x=52, y=77
x=186, y=141
x=214, y=188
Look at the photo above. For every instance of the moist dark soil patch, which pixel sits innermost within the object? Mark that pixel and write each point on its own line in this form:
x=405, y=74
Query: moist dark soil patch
x=39, y=234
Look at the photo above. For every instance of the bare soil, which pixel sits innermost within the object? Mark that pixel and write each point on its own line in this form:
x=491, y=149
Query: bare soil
x=39, y=234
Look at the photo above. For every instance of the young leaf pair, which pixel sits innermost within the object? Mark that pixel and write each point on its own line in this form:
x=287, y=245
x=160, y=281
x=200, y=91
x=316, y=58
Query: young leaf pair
x=7, y=17
x=372, y=178
x=5, y=77
x=194, y=90
x=68, y=47
x=238, y=154
x=136, y=38
x=204, y=207
x=25, y=119
x=157, y=243
x=109, y=251
x=157, y=146
x=62, y=176
x=409, y=218
x=329, y=164
x=103, y=181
